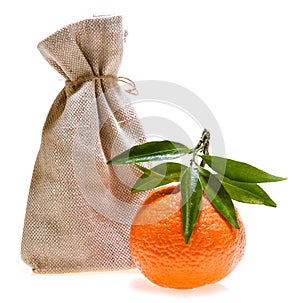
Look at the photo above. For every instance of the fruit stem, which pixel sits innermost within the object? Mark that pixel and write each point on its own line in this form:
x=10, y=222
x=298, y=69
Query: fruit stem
x=202, y=146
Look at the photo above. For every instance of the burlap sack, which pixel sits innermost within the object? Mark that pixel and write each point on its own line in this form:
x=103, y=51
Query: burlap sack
x=79, y=210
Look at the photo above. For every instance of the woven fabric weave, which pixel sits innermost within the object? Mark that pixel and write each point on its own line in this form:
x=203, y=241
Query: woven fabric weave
x=79, y=210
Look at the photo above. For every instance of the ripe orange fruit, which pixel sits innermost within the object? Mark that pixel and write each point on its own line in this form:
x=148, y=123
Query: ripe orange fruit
x=159, y=251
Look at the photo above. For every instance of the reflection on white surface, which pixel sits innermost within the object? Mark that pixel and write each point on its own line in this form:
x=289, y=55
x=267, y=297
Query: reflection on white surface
x=142, y=284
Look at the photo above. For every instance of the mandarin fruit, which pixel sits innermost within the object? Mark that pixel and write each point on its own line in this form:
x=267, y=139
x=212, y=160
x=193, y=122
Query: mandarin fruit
x=159, y=251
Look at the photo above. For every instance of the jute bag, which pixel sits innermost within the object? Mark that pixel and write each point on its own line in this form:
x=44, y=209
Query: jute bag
x=79, y=210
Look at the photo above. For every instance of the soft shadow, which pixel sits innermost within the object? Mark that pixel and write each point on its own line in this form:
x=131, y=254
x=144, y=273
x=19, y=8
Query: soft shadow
x=144, y=285
x=132, y=271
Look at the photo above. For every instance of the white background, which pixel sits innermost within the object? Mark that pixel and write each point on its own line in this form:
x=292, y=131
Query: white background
x=242, y=58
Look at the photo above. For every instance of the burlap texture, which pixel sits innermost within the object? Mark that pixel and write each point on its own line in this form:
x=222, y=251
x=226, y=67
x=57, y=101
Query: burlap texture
x=79, y=210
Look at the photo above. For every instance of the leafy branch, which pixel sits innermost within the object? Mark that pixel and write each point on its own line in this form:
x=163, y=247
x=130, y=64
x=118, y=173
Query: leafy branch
x=231, y=180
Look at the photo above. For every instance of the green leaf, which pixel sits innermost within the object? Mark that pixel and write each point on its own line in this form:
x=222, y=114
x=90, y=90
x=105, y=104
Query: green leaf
x=151, y=151
x=239, y=171
x=157, y=176
x=218, y=196
x=246, y=192
x=171, y=170
x=242, y=191
x=191, y=194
